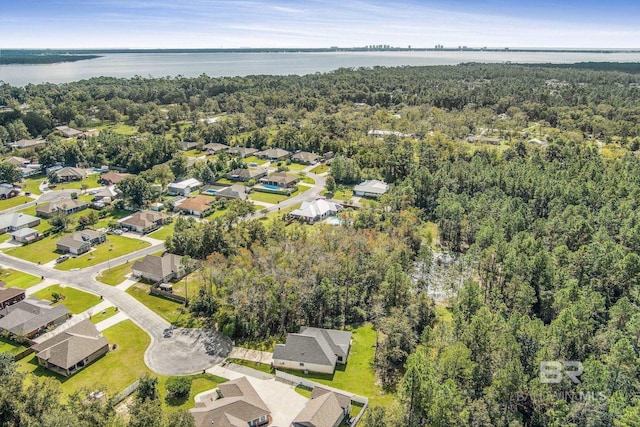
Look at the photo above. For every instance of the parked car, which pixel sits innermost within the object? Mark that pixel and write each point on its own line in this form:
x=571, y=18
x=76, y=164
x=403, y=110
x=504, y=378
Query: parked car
x=62, y=258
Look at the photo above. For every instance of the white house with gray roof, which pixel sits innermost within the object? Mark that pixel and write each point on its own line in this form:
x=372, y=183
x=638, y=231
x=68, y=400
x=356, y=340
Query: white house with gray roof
x=313, y=350
x=371, y=188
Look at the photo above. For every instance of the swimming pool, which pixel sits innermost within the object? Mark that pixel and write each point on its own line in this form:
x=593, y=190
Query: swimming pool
x=271, y=187
x=334, y=220
x=211, y=192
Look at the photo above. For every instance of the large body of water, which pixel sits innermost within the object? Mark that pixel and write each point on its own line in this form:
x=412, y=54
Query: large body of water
x=241, y=64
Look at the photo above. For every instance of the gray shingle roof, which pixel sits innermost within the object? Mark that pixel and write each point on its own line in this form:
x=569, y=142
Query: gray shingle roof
x=8, y=293
x=158, y=266
x=71, y=346
x=240, y=403
x=27, y=316
x=323, y=411
x=17, y=220
x=343, y=399
x=234, y=192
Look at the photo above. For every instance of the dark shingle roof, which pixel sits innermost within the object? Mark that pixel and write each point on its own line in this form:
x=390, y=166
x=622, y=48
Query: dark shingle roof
x=314, y=345
x=29, y=315
x=8, y=293
x=323, y=411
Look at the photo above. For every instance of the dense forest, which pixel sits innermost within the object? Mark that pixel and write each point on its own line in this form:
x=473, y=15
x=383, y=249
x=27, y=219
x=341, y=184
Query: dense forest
x=544, y=223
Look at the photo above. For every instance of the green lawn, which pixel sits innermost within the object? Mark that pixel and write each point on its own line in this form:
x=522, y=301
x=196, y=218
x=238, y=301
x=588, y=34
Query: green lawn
x=91, y=181
x=194, y=153
x=303, y=391
x=254, y=159
x=307, y=180
x=75, y=300
x=253, y=365
x=344, y=194
x=11, y=347
x=103, y=315
x=164, y=232
x=172, y=312
x=32, y=184
x=115, y=275
x=14, y=201
x=296, y=166
x=120, y=128
x=267, y=197
x=199, y=384
x=321, y=168
x=114, y=247
x=41, y=251
x=357, y=376
x=226, y=181
x=193, y=280
x=18, y=279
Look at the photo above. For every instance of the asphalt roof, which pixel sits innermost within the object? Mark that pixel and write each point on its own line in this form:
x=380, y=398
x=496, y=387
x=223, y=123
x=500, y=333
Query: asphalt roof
x=323, y=411
x=314, y=345
x=30, y=315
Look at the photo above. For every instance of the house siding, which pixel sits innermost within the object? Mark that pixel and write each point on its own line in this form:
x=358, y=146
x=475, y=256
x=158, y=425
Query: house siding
x=311, y=367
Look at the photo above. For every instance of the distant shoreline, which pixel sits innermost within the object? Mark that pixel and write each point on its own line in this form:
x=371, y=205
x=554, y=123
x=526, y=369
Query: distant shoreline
x=40, y=58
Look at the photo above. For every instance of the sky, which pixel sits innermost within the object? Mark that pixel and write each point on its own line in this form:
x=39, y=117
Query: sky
x=318, y=23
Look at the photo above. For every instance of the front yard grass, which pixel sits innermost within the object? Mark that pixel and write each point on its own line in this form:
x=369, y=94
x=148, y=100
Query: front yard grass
x=115, y=275
x=114, y=247
x=296, y=166
x=254, y=159
x=11, y=347
x=75, y=300
x=32, y=184
x=173, y=312
x=267, y=197
x=164, y=232
x=262, y=367
x=358, y=376
x=18, y=279
x=321, y=168
x=41, y=251
x=343, y=194
x=14, y=201
x=91, y=181
x=103, y=315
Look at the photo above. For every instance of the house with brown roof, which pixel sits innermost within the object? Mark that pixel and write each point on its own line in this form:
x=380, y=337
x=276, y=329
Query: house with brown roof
x=155, y=268
x=72, y=350
x=198, y=206
x=10, y=296
x=215, y=147
x=245, y=174
x=69, y=132
x=69, y=173
x=66, y=206
x=280, y=179
x=242, y=151
x=112, y=178
x=238, y=405
x=80, y=242
x=145, y=221
x=273, y=154
x=305, y=158
x=30, y=317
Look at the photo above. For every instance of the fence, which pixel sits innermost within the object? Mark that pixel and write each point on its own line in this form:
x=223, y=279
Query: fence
x=298, y=381
x=167, y=295
x=126, y=392
x=23, y=354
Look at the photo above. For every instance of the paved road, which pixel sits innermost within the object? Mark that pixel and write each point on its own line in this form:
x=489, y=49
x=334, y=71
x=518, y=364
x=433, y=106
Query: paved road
x=173, y=351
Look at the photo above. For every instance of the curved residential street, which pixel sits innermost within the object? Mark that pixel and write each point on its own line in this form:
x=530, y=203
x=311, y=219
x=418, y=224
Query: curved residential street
x=173, y=351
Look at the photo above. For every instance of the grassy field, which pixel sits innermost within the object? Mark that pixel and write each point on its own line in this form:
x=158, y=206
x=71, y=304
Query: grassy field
x=11, y=347
x=18, y=279
x=91, y=181
x=172, y=312
x=296, y=166
x=307, y=180
x=226, y=181
x=14, y=201
x=322, y=168
x=103, y=315
x=114, y=247
x=343, y=194
x=115, y=275
x=76, y=301
x=41, y=251
x=194, y=153
x=120, y=128
x=253, y=365
x=193, y=280
x=164, y=232
x=254, y=159
x=358, y=375
x=267, y=197
x=32, y=184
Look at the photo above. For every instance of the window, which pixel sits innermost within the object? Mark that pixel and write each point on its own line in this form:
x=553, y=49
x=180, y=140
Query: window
x=301, y=364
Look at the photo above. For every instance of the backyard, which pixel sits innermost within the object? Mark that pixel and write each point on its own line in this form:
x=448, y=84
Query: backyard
x=14, y=201
x=75, y=300
x=11, y=347
x=173, y=312
x=18, y=279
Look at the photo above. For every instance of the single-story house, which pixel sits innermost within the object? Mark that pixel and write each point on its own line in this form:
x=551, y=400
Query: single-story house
x=314, y=350
x=245, y=174
x=112, y=178
x=159, y=268
x=145, y=221
x=69, y=173
x=315, y=211
x=16, y=221
x=27, y=143
x=106, y=194
x=321, y=411
x=80, y=242
x=198, y=206
x=20, y=162
x=242, y=151
x=184, y=187
x=238, y=404
x=305, y=158
x=69, y=132
x=10, y=296
x=280, y=179
x=371, y=188
x=73, y=349
x=29, y=317
x=215, y=147
x=382, y=133
x=66, y=206
x=235, y=191
x=8, y=191
x=273, y=154
x=188, y=145
x=26, y=235
x=343, y=399
x=483, y=139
